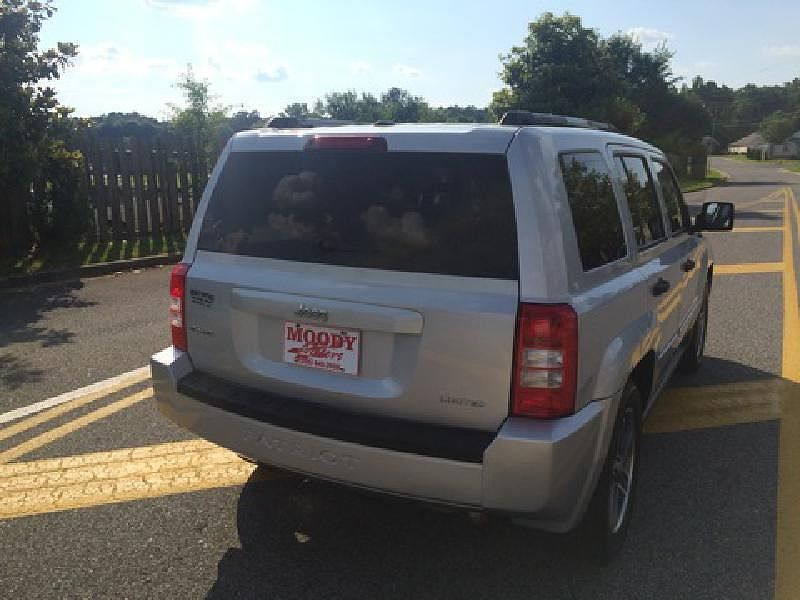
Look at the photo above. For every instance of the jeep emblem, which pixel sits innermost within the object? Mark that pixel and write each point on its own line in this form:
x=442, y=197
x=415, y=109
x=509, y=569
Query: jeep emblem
x=307, y=312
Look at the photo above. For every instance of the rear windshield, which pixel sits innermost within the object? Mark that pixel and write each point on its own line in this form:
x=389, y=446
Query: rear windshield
x=404, y=211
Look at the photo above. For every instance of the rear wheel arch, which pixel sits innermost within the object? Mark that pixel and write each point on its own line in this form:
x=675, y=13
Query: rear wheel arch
x=623, y=355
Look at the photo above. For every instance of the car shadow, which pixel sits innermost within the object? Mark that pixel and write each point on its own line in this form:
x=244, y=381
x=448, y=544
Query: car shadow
x=302, y=538
x=24, y=312
x=754, y=183
x=756, y=214
x=718, y=371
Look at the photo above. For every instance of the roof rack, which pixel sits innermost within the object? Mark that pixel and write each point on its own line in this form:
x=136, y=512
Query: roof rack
x=295, y=123
x=526, y=117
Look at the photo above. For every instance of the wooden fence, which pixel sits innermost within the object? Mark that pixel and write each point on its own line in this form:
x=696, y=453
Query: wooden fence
x=138, y=188
x=145, y=187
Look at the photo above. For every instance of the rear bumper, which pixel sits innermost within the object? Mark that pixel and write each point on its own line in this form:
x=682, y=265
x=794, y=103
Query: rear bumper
x=541, y=473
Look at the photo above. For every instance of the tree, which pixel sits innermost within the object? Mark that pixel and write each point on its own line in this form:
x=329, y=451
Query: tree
x=563, y=67
x=201, y=120
x=778, y=126
x=31, y=120
x=299, y=110
x=350, y=106
x=559, y=68
x=459, y=114
x=395, y=104
x=124, y=125
x=401, y=107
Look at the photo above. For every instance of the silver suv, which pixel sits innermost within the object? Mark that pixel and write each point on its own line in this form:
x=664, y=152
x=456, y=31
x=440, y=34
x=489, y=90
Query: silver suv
x=473, y=315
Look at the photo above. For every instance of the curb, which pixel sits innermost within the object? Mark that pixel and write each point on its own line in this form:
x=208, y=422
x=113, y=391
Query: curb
x=94, y=270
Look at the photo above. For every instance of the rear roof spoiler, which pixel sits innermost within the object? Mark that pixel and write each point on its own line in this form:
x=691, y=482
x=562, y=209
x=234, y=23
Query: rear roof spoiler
x=295, y=123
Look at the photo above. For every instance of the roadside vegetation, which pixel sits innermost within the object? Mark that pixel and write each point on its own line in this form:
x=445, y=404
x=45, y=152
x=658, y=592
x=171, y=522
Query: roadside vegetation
x=81, y=253
x=713, y=178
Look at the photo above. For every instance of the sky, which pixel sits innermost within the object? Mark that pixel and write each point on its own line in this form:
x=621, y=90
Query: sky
x=262, y=55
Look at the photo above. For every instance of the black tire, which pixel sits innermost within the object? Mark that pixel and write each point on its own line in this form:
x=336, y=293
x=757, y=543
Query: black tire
x=693, y=355
x=606, y=522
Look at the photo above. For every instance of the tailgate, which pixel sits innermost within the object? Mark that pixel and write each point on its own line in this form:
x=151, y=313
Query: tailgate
x=382, y=284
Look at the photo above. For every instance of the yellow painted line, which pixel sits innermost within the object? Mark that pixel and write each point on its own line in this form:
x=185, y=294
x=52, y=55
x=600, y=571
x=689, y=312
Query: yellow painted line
x=791, y=321
x=62, y=430
x=756, y=229
x=61, y=409
x=681, y=409
x=119, y=476
x=787, y=574
x=737, y=269
x=771, y=197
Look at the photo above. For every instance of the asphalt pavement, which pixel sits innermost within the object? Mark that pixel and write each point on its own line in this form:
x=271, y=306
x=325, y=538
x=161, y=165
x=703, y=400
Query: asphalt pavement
x=108, y=499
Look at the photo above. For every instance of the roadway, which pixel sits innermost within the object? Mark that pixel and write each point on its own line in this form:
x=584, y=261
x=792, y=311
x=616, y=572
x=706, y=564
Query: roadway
x=101, y=497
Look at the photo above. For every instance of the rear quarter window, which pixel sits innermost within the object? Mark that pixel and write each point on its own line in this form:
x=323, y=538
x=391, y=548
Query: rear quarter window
x=648, y=224
x=677, y=215
x=595, y=214
x=419, y=212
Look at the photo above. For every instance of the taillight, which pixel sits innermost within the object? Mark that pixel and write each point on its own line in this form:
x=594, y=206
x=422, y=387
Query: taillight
x=347, y=142
x=177, y=305
x=545, y=361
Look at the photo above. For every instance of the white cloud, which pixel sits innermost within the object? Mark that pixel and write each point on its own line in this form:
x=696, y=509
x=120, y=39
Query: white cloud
x=106, y=59
x=782, y=51
x=240, y=63
x=649, y=37
x=171, y=4
x=360, y=67
x=202, y=10
x=406, y=71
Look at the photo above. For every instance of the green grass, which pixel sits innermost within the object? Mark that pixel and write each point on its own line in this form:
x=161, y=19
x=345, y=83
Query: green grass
x=713, y=178
x=87, y=253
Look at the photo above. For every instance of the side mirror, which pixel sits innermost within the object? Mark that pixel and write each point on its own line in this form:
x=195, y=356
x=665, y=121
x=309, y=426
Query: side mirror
x=715, y=216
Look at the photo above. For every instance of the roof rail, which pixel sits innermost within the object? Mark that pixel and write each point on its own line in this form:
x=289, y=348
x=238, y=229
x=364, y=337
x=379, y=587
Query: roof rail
x=285, y=123
x=310, y=122
x=526, y=117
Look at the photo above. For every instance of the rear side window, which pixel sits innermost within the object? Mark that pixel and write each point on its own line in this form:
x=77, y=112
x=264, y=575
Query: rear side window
x=673, y=200
x=595, y=215
x=419, y=212
x=648, y=224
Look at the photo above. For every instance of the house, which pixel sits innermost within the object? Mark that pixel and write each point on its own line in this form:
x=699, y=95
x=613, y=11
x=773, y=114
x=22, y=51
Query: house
x=757, y=147
x=754, y=140
x=789, y=148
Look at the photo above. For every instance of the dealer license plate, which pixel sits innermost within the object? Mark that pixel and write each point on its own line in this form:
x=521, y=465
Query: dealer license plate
x=326, y=348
